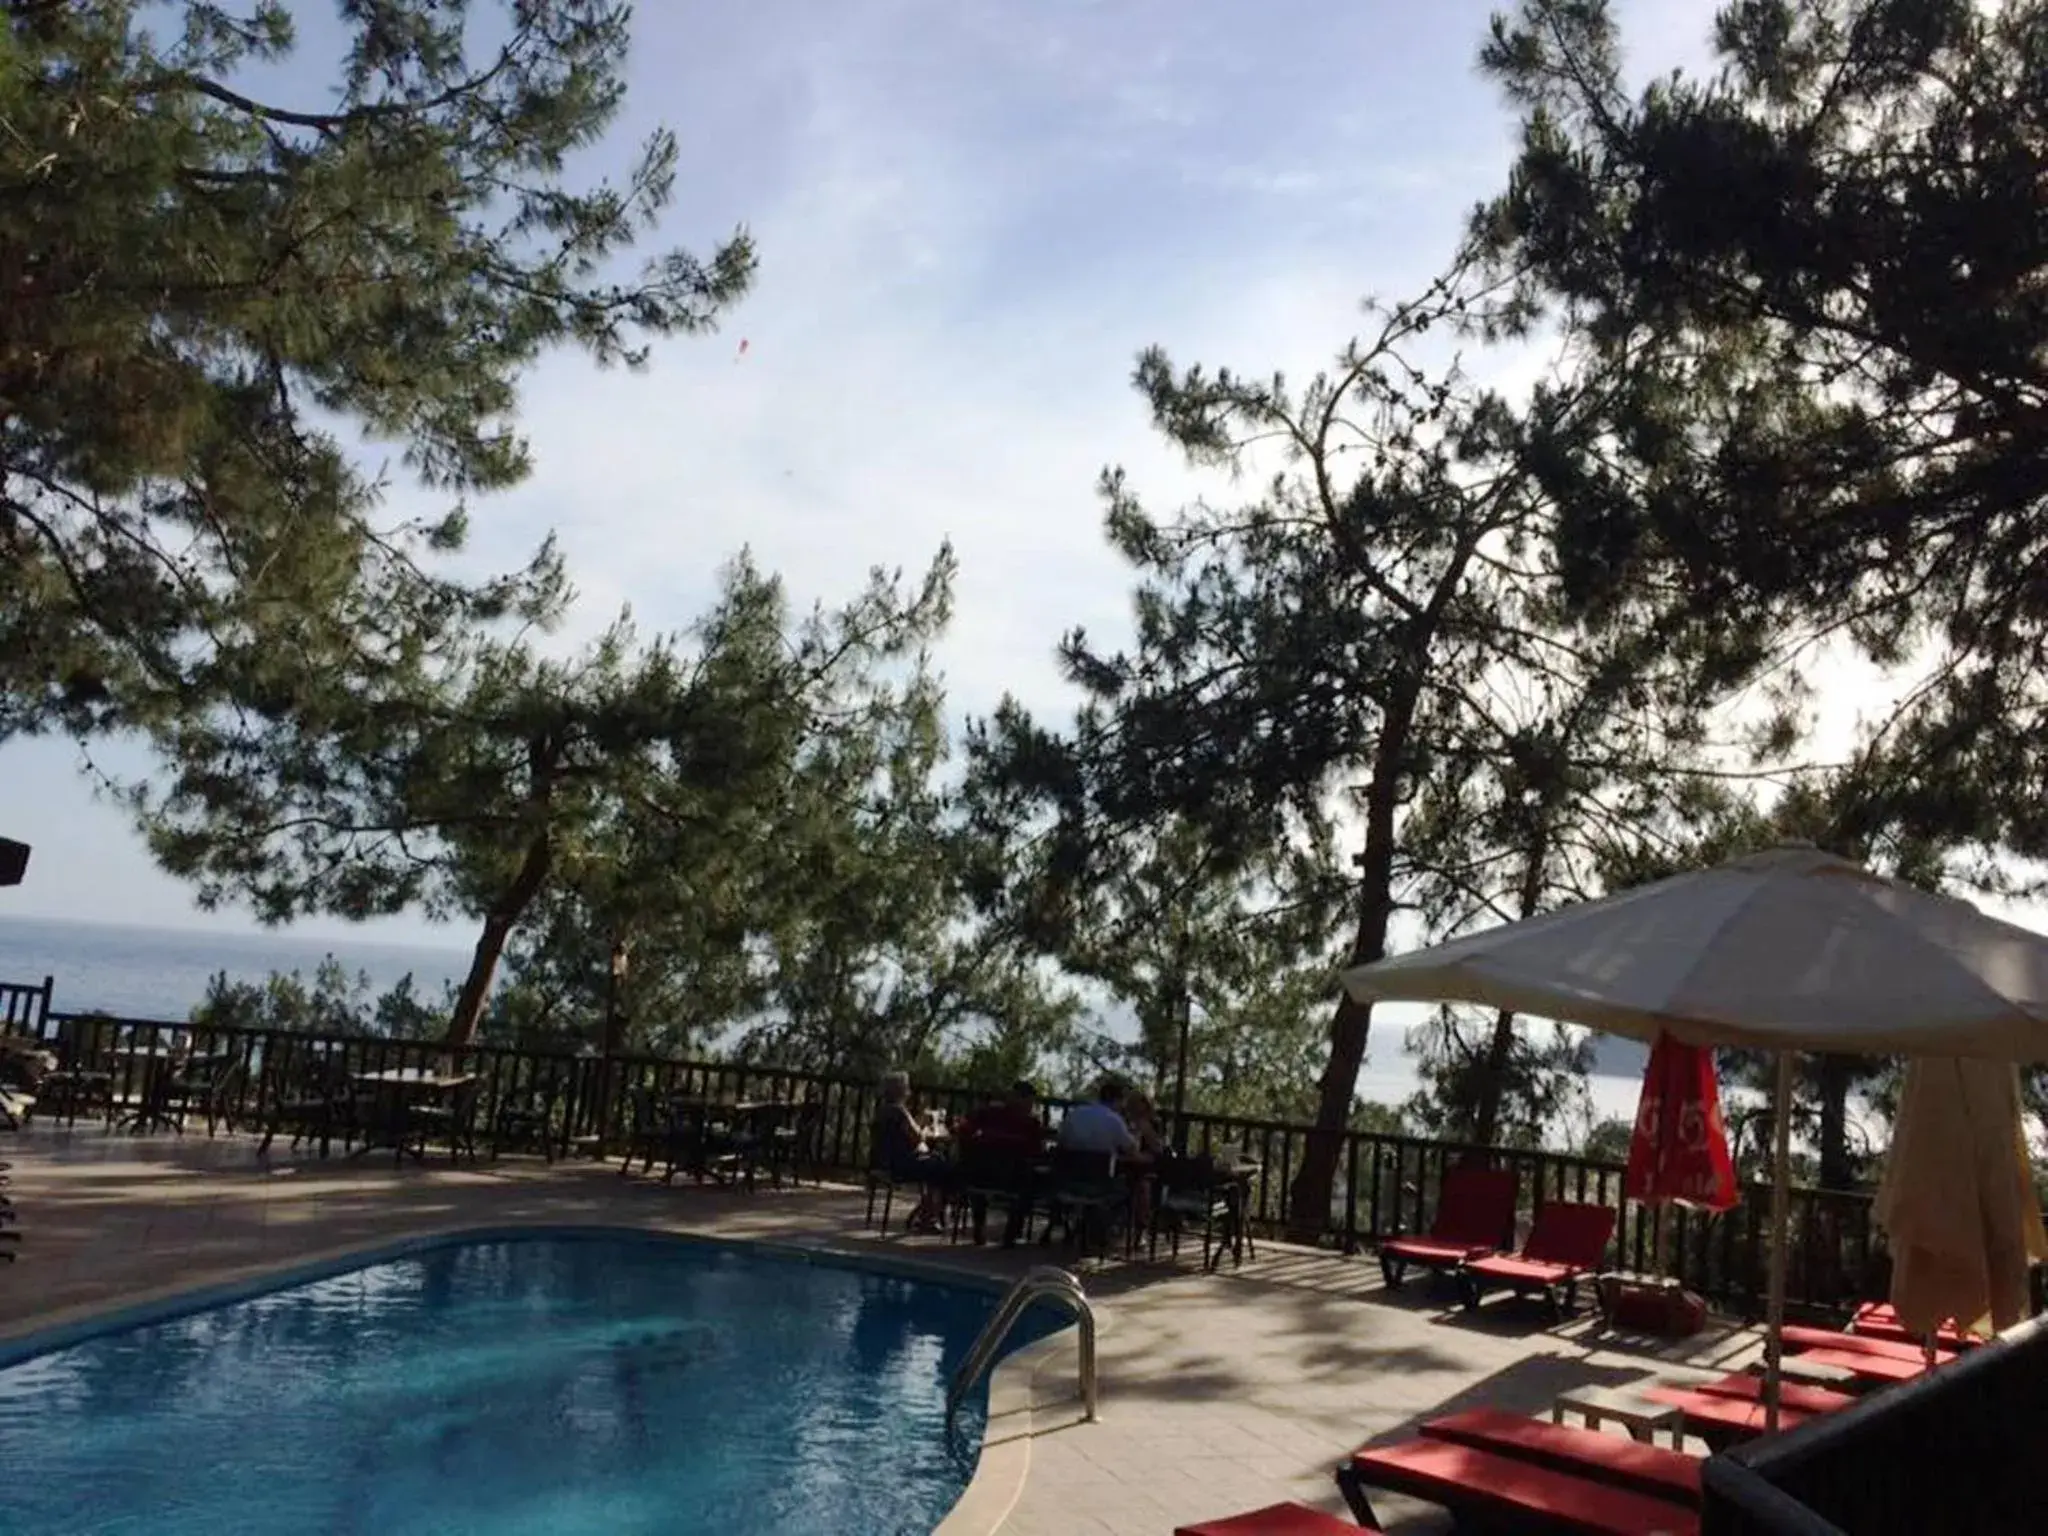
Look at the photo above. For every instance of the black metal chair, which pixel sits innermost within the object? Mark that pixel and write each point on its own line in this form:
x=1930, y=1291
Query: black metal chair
x=1192, y=1192
x=1084, y=1198
x=994, y=1176
x=306, y=1095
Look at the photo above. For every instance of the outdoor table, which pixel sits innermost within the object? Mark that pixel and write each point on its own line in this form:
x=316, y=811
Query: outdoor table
x=1638, y=1415
x=397, y=1087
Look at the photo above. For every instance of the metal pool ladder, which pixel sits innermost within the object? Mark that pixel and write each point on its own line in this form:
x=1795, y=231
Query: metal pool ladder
x=1042, y=1283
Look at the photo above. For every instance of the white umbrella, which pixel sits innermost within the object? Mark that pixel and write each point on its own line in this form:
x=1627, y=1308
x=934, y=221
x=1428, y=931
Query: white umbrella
x=1790, y=950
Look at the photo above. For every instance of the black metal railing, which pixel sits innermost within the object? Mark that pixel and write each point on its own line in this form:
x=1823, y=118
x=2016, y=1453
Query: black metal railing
x=1385, y=1185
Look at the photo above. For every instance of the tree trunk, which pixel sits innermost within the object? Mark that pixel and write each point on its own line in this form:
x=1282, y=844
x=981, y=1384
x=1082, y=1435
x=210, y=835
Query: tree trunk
x=1486, y=1108
x=1308, y=1203
x=615, y=1017
x=1837, y=1170
x=499, y=922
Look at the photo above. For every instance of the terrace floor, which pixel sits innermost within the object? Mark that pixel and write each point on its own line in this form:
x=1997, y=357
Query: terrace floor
x=1220, y=1392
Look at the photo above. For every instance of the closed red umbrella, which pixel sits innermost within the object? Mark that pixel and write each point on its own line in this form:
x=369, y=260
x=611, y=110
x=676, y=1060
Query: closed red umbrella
x=1679, y=1152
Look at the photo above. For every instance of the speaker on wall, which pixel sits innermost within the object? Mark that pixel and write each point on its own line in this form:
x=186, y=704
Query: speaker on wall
x=13, y=861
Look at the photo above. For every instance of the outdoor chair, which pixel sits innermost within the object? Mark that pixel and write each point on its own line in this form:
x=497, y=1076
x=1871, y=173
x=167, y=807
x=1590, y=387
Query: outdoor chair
x=1612, y=1459
x=1798, y=1338
x=1475, y=1216
x=207, y=1091
x=1484, y=1490
x=524, y=1121
x=1084, y=1198
x=998, y=1176
x=1877, y=1320
x=649, y=1130
x=450, y=1122
x=306, y=1095
x=1277, y=1520
x=883, y=1182
x=1869, y=1370
x=1567, y=1241
x=707, y=1147
x=1723, y=1421
x=1189, y=1193
x=1745, y=1387
x=796, y=1142
x=76, y=1083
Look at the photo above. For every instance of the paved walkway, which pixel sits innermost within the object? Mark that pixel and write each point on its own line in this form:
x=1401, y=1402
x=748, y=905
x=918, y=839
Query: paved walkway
x=1219, y=1392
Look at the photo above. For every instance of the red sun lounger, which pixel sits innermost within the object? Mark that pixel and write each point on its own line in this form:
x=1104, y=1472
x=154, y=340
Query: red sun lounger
x=1486, y=1490
x=1721, y=1420
x=1799, y=1339
x=1276, y=1520
x=1568, y=1240
x=1475, y=1215
x=1869, y=1370
x=1610, y=1459
x=1791, y=1394
x=1877, y=1321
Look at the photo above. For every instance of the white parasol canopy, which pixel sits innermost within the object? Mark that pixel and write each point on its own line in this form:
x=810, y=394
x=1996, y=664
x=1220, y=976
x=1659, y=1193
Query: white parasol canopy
x=1793, y=949
x=1789, y=950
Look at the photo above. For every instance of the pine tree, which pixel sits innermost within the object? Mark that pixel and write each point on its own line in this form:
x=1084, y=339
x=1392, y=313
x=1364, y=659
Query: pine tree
x=204, y=293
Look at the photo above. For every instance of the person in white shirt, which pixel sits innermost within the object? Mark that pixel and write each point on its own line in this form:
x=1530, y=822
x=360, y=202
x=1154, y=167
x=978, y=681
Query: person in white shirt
x=1098, y=1126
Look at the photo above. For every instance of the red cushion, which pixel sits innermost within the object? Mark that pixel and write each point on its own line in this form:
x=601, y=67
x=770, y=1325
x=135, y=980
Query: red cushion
x=1428, y=1251
x=1880, y=1321
x=1798, y=1338
x=1468, y=1481
x=1275, y=1520
x=1868, y=1367
x=1512, y=1271
x=1730, y=1415
x=1615, y=1459
x=1791, y=1394
x=1569, y=1232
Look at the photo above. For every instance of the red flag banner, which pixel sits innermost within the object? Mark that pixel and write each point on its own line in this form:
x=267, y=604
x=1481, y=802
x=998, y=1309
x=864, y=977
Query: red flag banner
x=1679, y=1151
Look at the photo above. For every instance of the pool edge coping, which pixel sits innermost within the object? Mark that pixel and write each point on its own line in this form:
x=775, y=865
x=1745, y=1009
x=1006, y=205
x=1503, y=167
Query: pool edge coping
x=994, y=1487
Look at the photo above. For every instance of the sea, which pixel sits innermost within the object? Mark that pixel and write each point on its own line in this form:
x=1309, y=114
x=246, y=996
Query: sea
x=162, y=973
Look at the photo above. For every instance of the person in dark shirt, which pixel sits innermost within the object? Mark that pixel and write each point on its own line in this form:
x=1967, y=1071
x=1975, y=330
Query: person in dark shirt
x=1010, y=1122
x=901, y=1151
x=1003, y=1137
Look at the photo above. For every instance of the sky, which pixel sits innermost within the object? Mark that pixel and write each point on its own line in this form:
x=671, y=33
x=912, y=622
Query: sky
x=971, y=215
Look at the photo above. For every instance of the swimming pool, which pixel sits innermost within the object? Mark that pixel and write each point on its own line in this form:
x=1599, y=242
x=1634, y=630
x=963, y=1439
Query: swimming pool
x=559, y=1384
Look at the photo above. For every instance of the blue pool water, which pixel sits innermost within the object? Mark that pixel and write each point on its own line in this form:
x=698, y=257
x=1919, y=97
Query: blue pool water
x=531, y=1386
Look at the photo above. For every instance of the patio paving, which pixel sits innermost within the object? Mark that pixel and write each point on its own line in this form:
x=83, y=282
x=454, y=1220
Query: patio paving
x=1219, y=1392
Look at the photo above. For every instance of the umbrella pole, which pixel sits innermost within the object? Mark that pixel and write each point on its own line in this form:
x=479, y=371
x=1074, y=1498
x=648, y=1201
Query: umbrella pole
x=1781, y=1222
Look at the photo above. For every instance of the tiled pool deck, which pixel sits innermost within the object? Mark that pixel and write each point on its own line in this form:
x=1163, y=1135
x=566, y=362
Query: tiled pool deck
x=1219, y=1392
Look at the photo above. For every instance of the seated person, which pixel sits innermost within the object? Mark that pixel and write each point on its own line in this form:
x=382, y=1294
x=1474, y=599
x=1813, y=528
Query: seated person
x=1143, y=1120
x=1099, y=1126
x=1010, y=1128
x=900, y=1152
x=1010, y=1122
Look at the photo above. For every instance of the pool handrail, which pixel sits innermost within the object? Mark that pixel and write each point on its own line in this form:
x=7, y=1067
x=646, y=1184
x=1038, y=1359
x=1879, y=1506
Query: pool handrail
x=1043, y=1282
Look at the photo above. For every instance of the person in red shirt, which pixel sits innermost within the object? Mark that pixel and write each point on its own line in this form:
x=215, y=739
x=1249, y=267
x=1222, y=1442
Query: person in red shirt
x=1006, y=1128
x=1010, y=1122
